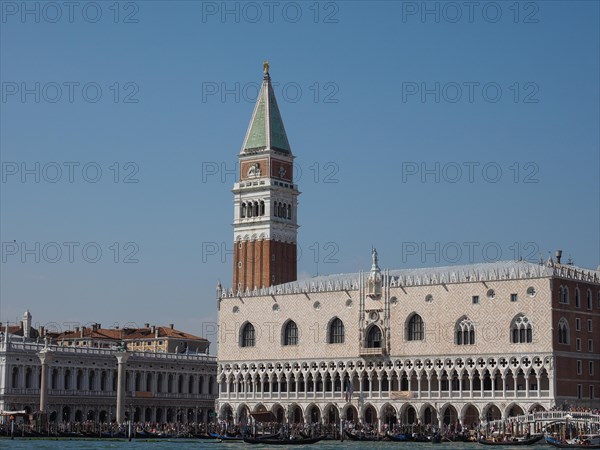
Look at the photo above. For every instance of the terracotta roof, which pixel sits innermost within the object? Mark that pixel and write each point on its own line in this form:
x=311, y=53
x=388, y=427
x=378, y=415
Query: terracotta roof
x=119, y=334
x=17, y=330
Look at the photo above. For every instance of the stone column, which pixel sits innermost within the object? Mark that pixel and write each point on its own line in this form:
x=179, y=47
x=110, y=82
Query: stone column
x=122, y=358
x=45, y=356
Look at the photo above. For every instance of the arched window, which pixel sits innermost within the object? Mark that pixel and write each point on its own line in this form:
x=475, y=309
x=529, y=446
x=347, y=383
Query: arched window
x=577, y=298
x=464, y=332
x=262, y=208
x=336, y=331
x=15, y=377
x=289, y=211
x=67, y=380
x=28, y=376
x=92, y=381
x=522, y=331
x=560, y=294
x=414, y=330
x=79, y=380
x=588, y=299
x=243, y=211
x=248, y=338
x=290, y=333
x=565, y=295
x=563, y=331
x=374, y=337
x=256, y=209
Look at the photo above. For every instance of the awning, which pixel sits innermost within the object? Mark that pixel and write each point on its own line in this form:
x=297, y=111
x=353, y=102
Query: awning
x=263, y=416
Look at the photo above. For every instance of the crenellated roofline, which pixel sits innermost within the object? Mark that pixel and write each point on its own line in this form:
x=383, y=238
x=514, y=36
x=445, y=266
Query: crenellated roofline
x=483, y=272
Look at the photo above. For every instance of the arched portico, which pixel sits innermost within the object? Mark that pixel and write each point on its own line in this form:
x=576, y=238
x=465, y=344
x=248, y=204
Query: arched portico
x=491, y=412
x=312, y=414
x=408, y=414
x=469, y=415
x=331, y=414
x=428, y=415
x=350, y=413
x=370, y=414
x=448, y=415
x=389, y=415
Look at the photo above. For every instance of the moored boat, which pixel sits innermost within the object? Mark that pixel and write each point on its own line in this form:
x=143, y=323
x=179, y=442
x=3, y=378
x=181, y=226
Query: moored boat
x=283, y=441
x=400, y=437
x=583, y=441
x=226, y=437
x=363, y=436
x=514, y=441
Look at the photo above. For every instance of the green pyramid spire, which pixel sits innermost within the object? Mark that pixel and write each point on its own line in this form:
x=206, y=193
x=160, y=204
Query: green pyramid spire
x=266, y=130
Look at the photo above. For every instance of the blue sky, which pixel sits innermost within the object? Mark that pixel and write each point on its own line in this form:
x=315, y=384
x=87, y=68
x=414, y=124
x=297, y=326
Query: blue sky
x=451, y=136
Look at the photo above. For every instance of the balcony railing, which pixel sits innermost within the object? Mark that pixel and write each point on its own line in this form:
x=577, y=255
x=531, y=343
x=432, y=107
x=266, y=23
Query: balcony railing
x=367, y=351
x=383, y=394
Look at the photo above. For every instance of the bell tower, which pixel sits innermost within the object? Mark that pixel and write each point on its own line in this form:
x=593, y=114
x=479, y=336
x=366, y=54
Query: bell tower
x=265, y=200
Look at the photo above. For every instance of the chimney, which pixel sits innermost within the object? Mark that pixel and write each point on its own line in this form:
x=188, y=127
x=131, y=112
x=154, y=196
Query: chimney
x=42, y=330
x=146, y=325
x=558, y=256
x=153, y=329
x=171, y=326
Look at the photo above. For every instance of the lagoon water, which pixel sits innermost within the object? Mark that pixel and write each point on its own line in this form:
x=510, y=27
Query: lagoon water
x=189, y=444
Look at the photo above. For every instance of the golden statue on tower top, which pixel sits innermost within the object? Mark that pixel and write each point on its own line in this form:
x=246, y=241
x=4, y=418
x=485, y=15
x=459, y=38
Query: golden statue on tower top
x=266, y=67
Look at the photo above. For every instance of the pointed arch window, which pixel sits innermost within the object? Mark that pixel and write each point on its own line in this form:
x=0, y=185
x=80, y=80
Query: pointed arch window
x=248, y=336
x=522, y=331
x=336, y=331
x=374, y=337
x=464, y=332
x=577, y=298
x=588, y=299
x=564, y=294
x=563, y=331
x=290, y=333
x=415, y=328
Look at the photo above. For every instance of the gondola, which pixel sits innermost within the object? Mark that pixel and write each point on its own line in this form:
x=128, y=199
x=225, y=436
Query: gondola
x=225, y=437
x=580, y=442
x=286, y=441
x=529, y=441
x=363, y=437
x=400, y=437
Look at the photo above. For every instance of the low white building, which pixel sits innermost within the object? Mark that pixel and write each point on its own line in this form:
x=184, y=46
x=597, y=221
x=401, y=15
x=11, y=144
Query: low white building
x=82, y=381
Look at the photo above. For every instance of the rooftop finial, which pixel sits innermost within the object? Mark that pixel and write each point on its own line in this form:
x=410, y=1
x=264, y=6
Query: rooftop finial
x=266, y=67
x=374, y=259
